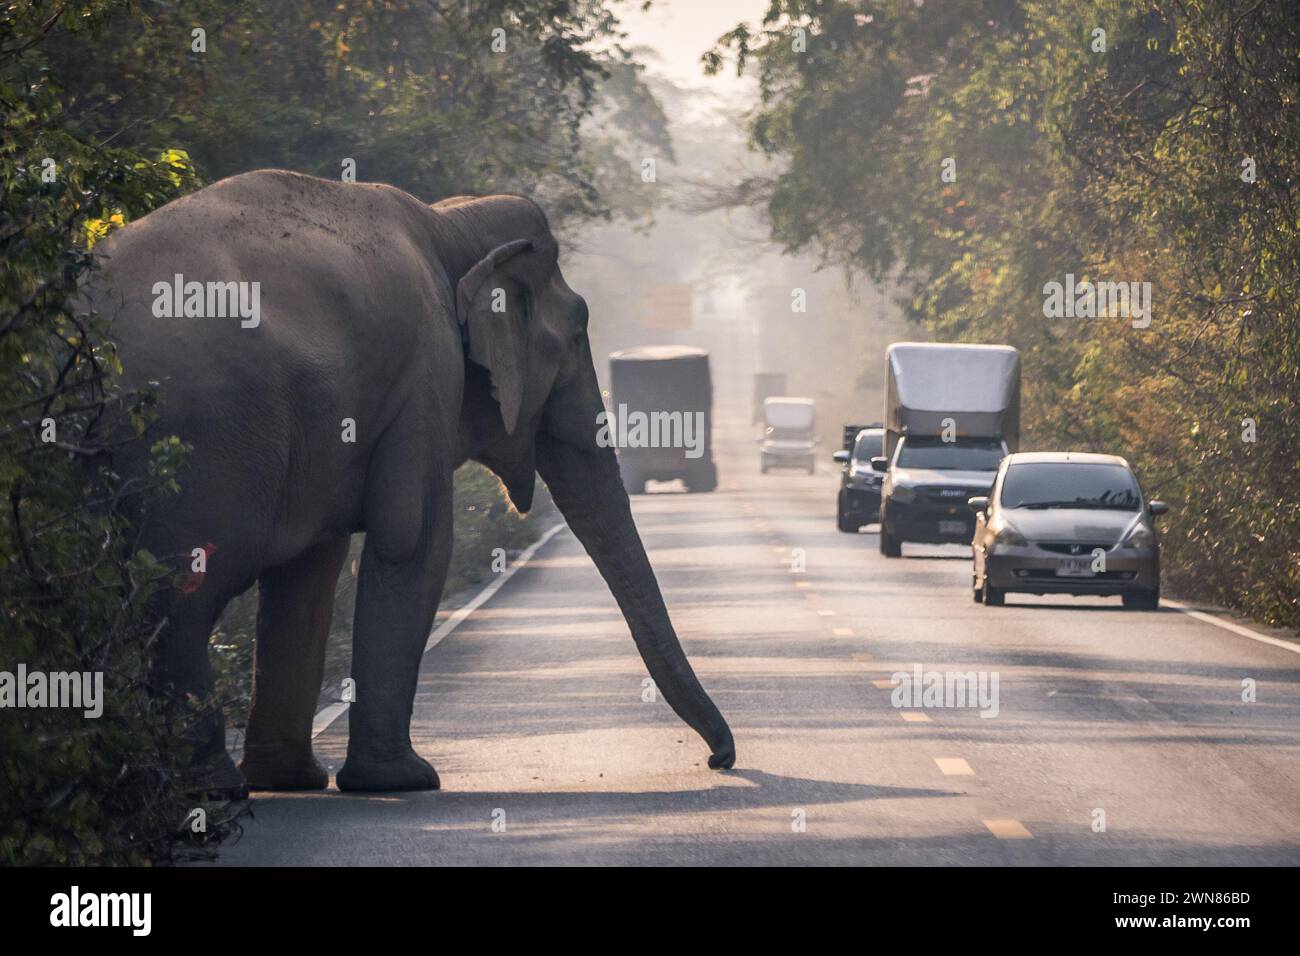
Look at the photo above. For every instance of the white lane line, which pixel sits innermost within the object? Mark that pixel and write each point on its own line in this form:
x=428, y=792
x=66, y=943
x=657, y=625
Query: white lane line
x=1291, y=646
x=336, y=710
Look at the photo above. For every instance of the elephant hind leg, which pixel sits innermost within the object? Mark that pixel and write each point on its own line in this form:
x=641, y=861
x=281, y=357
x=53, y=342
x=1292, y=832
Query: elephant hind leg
x=294, y=607
x=185, y=673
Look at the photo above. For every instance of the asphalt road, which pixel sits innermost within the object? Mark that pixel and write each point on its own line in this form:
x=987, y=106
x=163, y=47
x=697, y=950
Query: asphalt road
x=532, y=712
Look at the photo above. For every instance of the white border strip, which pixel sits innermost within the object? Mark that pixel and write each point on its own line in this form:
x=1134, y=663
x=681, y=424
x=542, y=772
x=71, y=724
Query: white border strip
x=1291, y=646
x=336, y=710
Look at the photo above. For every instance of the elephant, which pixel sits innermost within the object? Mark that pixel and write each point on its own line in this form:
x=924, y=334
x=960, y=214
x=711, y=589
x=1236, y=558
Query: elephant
x=359, y=347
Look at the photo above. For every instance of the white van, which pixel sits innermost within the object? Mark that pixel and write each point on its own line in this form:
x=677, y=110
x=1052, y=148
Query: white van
x=789, y=439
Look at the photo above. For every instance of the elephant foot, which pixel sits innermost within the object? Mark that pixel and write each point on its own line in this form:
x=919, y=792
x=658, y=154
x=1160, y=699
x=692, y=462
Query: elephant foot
x=724, y=753
x=293, y=773
x=406, y=772
x=218, y=779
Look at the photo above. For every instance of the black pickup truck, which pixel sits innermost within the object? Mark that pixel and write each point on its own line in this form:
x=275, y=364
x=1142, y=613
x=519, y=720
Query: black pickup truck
x=858, y=502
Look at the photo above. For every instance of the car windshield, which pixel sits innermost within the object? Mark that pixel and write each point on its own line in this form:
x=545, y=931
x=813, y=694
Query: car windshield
x=788, y=434
x=1070, y=485
x=870, y=445
x=964, y=454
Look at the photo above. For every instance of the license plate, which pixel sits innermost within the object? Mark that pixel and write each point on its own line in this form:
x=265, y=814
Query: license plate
x=1074, y=568
x=952, y=527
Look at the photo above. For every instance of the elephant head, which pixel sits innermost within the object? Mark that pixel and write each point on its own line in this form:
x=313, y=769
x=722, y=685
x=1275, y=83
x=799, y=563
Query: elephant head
x=531, y=405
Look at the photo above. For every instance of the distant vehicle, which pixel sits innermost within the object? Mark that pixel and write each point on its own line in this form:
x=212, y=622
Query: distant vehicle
x=951, y=413
x=858, y=502
x=789, y=434
x=766, y=385
x=662, y=398
x=1066, y=523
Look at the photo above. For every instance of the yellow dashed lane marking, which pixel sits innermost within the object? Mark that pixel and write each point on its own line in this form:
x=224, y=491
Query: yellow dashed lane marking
x=825, y=613
x=885, y=684
x=954, y=766
x=1008, y=829
x=915, y=717
x=842, y=631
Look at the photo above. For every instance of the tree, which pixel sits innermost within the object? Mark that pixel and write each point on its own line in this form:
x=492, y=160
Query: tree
x=977, y=152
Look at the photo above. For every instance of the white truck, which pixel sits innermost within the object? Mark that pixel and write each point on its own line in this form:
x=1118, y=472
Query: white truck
x=952, y=412
x=789, y=433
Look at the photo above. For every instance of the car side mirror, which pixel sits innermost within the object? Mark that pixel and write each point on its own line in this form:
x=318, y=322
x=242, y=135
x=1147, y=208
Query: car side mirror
x=978, y=505
x=841, y=456
x=880, y=464
x=1157, y=508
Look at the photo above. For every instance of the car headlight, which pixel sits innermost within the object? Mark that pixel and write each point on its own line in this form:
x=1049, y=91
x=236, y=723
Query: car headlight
x=1009, y=537
x=1141, y=537
x=903, y=494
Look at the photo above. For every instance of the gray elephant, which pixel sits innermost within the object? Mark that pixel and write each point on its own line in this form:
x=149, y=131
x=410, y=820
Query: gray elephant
x=333, y=352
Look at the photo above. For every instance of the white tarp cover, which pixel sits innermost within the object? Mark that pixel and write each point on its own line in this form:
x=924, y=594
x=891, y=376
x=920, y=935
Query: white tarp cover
x=790, y=413
x=978, y=386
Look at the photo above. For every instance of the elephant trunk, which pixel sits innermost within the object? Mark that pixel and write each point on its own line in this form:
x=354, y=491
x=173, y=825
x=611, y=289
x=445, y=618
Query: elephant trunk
x=589, y=493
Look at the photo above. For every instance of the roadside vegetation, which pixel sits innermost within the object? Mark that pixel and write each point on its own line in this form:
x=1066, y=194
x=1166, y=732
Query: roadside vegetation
x=975, y=152
x=112, y=108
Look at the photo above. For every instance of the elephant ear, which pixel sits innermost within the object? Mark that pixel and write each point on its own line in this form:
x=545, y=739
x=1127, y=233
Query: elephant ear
x=492, y=307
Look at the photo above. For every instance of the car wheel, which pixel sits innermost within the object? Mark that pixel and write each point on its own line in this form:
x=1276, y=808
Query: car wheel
x=1142, y=600
x=703, y=479
x=890, y=546
x=847, y=523
x=994, y=597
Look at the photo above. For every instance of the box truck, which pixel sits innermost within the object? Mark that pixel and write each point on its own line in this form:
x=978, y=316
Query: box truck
x=952, y=411
x=661, y=421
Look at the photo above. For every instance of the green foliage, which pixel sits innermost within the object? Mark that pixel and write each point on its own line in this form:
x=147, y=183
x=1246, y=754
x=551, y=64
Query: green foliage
x=1120, y=165
x=412, y=91
x=130, y=116
x=74, y=593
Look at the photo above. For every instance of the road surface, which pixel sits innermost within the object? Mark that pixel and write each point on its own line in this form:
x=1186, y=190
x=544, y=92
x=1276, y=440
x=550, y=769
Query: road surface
x=1121, y=737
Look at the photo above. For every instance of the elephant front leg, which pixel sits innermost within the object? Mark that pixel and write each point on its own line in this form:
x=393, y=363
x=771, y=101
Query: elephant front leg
x=397, y=600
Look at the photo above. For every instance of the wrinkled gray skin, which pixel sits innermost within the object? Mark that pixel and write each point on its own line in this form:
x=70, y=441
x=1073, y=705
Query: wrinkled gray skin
x=374, y=307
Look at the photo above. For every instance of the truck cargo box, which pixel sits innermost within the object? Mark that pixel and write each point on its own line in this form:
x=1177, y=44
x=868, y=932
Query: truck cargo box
x=977, y=386
x=658, y=388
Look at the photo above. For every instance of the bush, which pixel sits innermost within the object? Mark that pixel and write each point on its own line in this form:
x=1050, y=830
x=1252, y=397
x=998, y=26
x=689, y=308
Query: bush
x=74, y=593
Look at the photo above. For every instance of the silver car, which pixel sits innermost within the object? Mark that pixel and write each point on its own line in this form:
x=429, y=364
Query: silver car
x=1066, y=523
